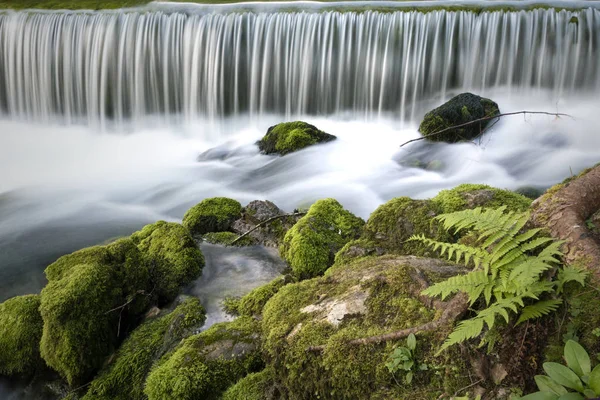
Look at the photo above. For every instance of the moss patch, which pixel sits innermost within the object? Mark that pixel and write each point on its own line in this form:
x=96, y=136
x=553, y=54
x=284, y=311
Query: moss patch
x=20, y=334
x=392, y=223
x=252, y=304
x=205, y=365
x=173, y=258
x=310, y=245
x=474, y=195
x=288, y=137
x=255, y=386
x=123, y=379
x=212, y=215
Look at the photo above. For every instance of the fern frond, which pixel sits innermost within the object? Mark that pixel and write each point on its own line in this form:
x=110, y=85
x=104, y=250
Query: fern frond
x=570, y=274
x=460, y=251
x=538, y=309
x=472, y=283
x=467, y=329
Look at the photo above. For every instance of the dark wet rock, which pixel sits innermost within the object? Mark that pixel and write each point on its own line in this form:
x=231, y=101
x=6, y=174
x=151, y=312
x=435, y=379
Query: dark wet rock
x=289, y=137
x=270, y=234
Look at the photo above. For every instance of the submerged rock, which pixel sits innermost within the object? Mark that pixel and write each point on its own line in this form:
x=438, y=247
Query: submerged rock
x=288, y=137
x=212, y=215
x=465, y=107
x=20, y=334
x=310, y=246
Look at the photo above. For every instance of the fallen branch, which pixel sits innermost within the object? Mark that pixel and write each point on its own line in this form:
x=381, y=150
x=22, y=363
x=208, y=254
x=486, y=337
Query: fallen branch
x=484, y=119
x=298, y=214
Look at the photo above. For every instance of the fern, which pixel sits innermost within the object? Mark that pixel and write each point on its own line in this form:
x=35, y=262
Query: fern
x=508, y=269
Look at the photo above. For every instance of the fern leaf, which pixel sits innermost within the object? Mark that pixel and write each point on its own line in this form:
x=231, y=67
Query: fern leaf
x=570, y=274
x=538, y=309
x=467, y=329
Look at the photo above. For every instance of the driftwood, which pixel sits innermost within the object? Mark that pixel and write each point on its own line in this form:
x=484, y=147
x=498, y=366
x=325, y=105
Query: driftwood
x=564, y=214
x=481, y=120
x=298, y=214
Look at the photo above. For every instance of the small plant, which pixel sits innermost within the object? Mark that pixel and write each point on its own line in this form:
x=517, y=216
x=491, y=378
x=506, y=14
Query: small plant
x=576, y=381
x=509, y=267
x=403, y=359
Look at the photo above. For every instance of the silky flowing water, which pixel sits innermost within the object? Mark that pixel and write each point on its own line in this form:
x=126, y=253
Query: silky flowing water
x=110, y=121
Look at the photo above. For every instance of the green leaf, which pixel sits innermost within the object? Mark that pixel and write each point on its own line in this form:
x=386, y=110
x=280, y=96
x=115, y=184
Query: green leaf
x=409, y=378
x=589, y=394
x=411, y=342
x=563, y=376
x=545, y=384
x=577, y=358
x=595, y=380
x=540, y=396
x=571, y=396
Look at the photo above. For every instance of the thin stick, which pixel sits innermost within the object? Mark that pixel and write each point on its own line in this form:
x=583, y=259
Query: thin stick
x=298, y=214
x=484, y=119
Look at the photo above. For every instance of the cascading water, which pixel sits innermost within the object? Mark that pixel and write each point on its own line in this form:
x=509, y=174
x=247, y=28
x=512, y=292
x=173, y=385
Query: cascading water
x=99, y=66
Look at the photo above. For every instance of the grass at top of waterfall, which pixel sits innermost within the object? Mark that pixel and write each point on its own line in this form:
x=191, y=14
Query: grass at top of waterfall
x=70, y=4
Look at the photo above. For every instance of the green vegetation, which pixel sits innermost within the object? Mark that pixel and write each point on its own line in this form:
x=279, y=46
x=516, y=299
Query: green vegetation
x=310, y=245
x=253, y=303
x=212, y=215
x=392, y=223
x=20, y=334
x=205, y=365
x=288, y=137
x=255, y=386
x=465, y=107
x=508, y=267
x=403, y=359
x=172, y=256
x=474, y=195
x=577, y=375
x=124, y=377
x=71, y=4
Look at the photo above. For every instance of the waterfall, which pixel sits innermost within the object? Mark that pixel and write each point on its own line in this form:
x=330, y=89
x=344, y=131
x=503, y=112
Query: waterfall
x=104, y=66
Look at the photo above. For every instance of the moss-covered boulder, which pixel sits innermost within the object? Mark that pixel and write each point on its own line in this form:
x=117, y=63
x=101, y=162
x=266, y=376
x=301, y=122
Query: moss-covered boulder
x=288, y=137
x=20, y=334
x=367, y=297
x=205, y=365
x=173, y=257
x=252, y=303
x=212, y=215
x=310, y=246
x=255, y=386
x=391, y=225
x=124, y=376
x=473, y=195
x=465, y=107
x=83, y=303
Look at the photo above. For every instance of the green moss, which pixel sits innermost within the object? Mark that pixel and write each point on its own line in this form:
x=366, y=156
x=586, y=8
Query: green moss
x=172, y=255
x=465, y=107
x=473, y=195
x=124, y=378
x=212, y=215
x=20, y=334
x=288, y=137
x=255, y=386
x=226, y=238
x=292, y=323
x=392, y=223
x=310, y=245
x=205, y=365
x=253, y=303
x=357, y=249
x=70, y=4
x=80, y=305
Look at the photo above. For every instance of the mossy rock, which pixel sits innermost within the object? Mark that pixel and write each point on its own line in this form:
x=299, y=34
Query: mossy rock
x=227, y=238
x=80, y=306
x=369, y=296
x=205, y=365
x=391, y=225
x=289, y=137
x=212, y=215
x=465, y=107
x=252, y=303
x=255, y=386
x=472, y=195
x=124, y=377
x=357, y=249
x=310, y=245
x=172, y=255
x=20, y=333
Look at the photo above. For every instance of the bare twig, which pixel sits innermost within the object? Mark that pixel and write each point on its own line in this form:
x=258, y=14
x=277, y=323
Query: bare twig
x=466, y=387
x=298, y=214
x=484, y=119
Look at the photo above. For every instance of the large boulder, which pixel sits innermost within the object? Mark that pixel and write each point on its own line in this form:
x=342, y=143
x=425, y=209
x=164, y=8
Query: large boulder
x=124, y=376
x=205, y=365
x=466, y=107
x=475, y=195
x=255, y=386
x=212, y=215
x=289, y=137
x=20, y=334
x=310, y=246
x=270, y=234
